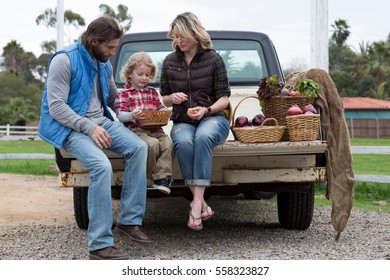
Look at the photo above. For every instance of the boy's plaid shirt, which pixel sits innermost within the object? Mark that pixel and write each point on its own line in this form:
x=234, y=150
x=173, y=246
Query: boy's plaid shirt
x=130, y=99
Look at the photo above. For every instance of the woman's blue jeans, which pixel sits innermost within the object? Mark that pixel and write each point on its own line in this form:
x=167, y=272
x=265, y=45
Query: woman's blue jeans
x=194, y=147
x=133, y=195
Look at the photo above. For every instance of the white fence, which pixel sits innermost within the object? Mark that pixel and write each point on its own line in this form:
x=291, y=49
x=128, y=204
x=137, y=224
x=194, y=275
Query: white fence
x=18, y=131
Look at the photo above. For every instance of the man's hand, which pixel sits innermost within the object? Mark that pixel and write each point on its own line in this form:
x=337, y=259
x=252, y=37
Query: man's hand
x=101, y=137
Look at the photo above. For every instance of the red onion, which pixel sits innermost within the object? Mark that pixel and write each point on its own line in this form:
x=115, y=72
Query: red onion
x=294, y=110
x=309, y=108
x=258, y=119
x=241, y=121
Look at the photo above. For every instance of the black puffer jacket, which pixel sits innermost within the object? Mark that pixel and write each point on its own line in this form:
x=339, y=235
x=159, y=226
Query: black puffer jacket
x=204, y=81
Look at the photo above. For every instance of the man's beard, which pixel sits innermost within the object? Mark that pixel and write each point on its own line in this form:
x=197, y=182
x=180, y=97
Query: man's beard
x=96, y=52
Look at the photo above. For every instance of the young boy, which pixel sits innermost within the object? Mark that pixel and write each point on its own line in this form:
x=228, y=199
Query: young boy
x=137, y=96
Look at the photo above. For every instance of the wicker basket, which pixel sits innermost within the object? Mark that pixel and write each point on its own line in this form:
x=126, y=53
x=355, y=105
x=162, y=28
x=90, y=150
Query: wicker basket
x=257, y=134
x=303, y=127
x=154, y=118
x=277, y=107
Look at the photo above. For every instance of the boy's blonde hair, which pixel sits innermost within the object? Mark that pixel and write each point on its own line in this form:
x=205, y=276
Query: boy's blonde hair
x=137, y=59
x=189, y=26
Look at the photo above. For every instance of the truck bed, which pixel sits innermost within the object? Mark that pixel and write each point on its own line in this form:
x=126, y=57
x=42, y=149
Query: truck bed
x=234, y=163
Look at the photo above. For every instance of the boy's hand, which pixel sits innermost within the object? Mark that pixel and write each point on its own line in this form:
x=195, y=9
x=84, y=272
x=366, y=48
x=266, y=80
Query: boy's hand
x=138, y=114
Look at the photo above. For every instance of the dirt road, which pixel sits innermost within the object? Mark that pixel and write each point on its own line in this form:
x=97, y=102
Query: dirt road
x=26, y=199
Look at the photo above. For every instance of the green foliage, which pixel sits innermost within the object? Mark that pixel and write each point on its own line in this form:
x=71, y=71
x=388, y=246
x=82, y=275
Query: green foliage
x=308, y=87
x=365, y=72
x=368, y=196
x=18, y=100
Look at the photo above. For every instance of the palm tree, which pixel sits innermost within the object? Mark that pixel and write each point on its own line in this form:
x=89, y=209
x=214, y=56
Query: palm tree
x=12, y=54
x=18, y=61
x=339, y=37
x=378, y=63
x=340, y=32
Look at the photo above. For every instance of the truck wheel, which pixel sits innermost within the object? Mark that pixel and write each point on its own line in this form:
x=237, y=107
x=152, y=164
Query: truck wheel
x=295, y=210
x=80, y=205
x=258, y=195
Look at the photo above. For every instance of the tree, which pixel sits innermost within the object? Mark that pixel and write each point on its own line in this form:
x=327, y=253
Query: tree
x=340, y=32
x=378, y=60
x=339, y=37
x=12, y=85
x=72, y=21
x=19, y=111
x=18, y=61
x=122, y=16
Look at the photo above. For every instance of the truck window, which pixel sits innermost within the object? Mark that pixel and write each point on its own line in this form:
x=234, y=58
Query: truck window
x=244, y=59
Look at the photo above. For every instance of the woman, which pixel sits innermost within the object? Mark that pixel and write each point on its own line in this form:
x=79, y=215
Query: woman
x=194, y=82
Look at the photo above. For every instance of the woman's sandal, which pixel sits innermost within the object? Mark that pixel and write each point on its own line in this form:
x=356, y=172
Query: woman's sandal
x=207, y=216
x=192, y=220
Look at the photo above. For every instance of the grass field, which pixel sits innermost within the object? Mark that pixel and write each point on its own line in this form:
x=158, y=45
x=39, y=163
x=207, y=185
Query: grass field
x=370, y=142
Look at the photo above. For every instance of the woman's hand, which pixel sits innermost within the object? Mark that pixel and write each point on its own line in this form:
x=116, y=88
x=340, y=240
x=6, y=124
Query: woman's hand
x=197, y=113
x=137, y=114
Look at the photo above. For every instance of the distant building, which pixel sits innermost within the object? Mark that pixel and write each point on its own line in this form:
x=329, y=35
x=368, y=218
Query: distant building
x=367, y=117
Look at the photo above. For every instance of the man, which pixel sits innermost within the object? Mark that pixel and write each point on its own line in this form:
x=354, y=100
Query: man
x=75, y=116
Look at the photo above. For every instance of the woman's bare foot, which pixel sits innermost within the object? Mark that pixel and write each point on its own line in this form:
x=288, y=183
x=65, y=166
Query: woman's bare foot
x=207, y=212
x=195, y=216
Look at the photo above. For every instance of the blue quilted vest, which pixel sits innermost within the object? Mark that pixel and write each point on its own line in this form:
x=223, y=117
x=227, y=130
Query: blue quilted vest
x=83, y=72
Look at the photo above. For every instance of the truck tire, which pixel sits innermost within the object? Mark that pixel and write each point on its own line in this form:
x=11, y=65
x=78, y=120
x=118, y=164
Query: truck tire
x=258, y=195
x=295, y=210
x=80, y=205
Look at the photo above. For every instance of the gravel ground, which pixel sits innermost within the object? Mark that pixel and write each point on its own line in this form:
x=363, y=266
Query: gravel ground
x=240, y=229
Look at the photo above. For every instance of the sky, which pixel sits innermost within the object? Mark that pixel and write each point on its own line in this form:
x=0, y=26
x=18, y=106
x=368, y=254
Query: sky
x=287, y=22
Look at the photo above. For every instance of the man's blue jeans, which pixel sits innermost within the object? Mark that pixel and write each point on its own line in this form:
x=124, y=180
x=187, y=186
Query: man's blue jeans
x=194, y=147
x=133, y=195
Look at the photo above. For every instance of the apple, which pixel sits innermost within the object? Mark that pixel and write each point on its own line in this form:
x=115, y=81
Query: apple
x=241, y=121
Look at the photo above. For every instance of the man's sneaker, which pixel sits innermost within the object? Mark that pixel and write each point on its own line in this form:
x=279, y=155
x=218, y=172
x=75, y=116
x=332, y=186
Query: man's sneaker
x=163, y=185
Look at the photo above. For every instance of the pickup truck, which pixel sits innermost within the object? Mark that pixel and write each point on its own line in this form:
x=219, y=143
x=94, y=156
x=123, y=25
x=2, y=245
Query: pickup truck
x=287, y=169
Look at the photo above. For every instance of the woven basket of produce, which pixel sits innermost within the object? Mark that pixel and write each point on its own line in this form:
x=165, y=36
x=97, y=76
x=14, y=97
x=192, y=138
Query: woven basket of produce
x=277, y=106
x=155, y=118
x=303, y=127
x=276, y=97
x=268, y=131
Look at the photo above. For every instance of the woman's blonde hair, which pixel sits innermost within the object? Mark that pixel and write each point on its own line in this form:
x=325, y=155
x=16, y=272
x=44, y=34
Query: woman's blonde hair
x=190, y=27
x=137, y=59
